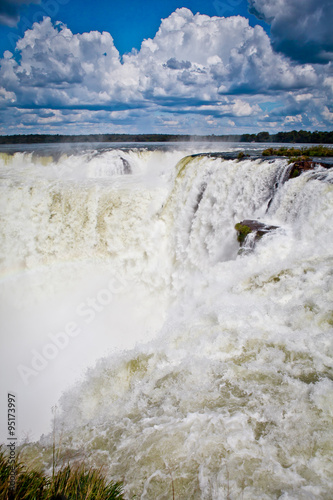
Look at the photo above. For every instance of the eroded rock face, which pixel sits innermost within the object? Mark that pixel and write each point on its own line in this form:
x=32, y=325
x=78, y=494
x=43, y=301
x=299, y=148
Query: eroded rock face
x=127, y=166
x=303, y=165
x=250, y=231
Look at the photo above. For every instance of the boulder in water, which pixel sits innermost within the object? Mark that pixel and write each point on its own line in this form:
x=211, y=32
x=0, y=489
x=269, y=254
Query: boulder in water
x=303, y=165
x=252, y=227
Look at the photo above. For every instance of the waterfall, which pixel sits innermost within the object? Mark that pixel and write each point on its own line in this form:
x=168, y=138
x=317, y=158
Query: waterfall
x=208, y=369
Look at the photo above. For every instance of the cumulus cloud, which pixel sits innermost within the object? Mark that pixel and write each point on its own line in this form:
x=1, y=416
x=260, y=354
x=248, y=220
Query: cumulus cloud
x=218, y=68
x=10, y=11
x=303, y=109
x=58, y=68
x=301, y=29
x=172, y=63
x=215, y=56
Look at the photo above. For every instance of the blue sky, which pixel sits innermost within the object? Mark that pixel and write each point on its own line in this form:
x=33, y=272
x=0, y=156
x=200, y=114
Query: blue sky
x=210, y=67
x=128, y=21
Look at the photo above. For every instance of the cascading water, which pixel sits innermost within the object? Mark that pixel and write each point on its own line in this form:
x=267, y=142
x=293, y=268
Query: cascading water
x=214, y=371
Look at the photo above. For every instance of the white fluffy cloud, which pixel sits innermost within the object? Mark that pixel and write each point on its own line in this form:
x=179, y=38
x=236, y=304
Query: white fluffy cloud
x=213, y=56
x=195, y=64
x=58, y=68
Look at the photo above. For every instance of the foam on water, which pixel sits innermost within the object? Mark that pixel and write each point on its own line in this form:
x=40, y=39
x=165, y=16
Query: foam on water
x=225, y=387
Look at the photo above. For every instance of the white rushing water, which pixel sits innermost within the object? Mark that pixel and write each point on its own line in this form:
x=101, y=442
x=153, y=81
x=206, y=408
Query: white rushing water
x=209, y=371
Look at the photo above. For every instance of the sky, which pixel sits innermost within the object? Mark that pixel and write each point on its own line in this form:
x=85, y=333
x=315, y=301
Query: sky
x=192, y=66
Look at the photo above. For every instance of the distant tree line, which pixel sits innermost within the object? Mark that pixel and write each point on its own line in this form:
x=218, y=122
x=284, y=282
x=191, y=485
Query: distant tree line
x=56, y=138
x=300, y=136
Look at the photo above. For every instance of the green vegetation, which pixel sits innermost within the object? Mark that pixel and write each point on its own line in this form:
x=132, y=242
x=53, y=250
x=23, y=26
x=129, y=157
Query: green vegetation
x=243, y=231
x=301, y=136
x=295, y=173
x=299, y=153
x=68, y=483
x=55, y=138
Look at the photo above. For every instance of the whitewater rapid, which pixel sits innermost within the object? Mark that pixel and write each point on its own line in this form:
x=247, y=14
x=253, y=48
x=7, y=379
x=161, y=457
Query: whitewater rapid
x=210, y=371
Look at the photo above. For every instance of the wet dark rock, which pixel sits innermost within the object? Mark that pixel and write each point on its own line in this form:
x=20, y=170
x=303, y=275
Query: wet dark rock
x=250, y=231
x=127, y=166
x=301, y=166
x=200, y=196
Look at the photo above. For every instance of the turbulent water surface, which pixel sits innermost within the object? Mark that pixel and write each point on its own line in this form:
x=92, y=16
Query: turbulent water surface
x=174, y=360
